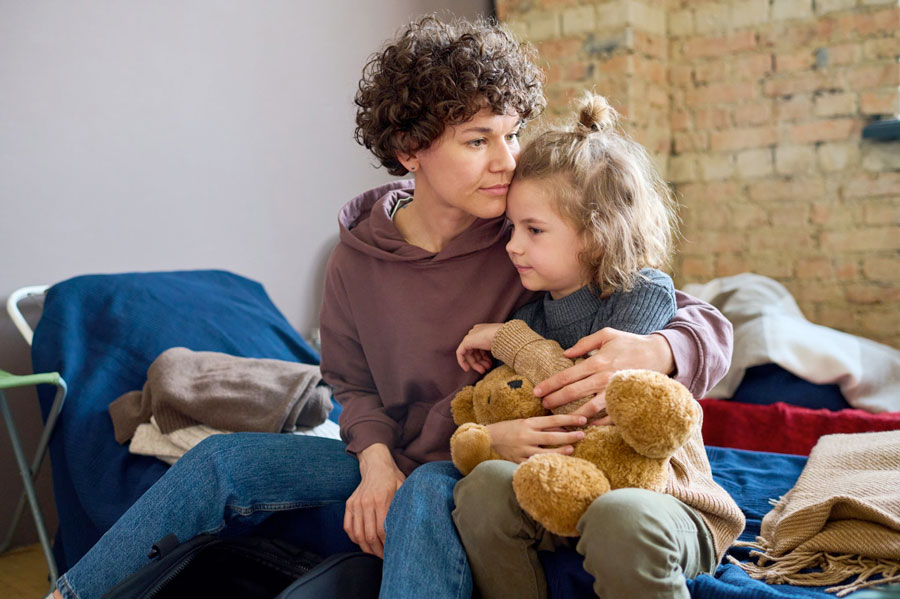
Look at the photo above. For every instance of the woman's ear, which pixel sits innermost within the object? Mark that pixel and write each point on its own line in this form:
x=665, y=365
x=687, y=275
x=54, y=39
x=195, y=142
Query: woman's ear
x=409, y=161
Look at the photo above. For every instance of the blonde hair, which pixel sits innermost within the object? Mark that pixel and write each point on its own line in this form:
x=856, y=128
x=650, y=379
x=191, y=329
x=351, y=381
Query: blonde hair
x=605, y=184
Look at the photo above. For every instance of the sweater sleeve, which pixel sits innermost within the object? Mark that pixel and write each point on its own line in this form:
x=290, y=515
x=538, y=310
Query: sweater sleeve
x=363, y=420
x=648, y=307
x=701, y=341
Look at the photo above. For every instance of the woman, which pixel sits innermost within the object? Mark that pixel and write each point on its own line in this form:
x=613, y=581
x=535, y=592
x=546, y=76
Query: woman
x=418, y=263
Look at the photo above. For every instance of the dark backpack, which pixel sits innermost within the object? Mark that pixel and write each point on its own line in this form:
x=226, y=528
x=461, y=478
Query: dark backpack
x=248, y=568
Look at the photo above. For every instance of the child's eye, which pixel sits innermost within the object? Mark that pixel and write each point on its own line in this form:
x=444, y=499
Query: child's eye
x=534, y=230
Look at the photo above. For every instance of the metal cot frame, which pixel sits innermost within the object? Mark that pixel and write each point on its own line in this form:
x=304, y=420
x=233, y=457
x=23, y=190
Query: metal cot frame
x=29, y=472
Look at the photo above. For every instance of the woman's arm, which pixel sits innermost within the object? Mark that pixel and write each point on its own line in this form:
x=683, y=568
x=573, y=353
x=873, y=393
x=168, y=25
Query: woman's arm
x=364, y=419
x=701, y=340
x=367, y=507
x=368, y=430
x=694, y=348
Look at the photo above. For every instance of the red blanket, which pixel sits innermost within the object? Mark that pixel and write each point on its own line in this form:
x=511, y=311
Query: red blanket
x=781, y=427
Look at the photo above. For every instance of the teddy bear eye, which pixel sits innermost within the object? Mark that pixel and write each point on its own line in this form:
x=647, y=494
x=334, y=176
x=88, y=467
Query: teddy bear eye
x=515, y=384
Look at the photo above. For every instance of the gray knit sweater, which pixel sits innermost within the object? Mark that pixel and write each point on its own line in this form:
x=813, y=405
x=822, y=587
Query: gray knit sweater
x=648, y=307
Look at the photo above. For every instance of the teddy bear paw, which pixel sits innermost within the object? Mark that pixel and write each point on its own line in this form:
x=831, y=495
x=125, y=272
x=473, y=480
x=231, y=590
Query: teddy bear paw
x=654, y=414
x=469, y=446
x=556, y=490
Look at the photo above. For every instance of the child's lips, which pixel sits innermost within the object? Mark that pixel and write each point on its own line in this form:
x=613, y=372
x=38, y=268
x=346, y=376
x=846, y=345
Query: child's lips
x=522, y=269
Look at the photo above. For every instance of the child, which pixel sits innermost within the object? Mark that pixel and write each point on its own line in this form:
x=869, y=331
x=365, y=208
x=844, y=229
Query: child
x=591, y=221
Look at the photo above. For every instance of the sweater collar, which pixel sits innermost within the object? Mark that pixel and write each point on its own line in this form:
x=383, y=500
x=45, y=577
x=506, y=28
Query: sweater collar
x=572, y=308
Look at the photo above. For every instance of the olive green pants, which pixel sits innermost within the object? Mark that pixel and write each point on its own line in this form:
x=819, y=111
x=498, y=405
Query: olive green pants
x=635, y=543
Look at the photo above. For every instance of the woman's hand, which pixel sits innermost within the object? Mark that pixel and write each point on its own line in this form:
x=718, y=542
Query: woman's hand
x=613, y=350
x=474, y=349
x=368, y=506
x=518, y=440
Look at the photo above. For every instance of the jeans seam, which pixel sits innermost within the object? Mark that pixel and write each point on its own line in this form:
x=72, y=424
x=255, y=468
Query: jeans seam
x=276, y=507
x=215, y=530
x=62, y=584
x=464, y=563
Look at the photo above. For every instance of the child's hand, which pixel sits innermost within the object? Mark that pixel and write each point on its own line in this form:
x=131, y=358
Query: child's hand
x=474, y=350
x=518, y=440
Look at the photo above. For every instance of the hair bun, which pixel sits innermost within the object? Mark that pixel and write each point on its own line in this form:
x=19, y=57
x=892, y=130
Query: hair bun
x=595, y=114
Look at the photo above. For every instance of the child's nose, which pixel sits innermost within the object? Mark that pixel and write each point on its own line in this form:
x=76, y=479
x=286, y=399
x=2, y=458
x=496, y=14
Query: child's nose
x=511, y=246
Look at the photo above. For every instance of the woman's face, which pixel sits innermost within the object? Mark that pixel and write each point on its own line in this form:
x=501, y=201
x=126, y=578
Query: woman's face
x=469, y=167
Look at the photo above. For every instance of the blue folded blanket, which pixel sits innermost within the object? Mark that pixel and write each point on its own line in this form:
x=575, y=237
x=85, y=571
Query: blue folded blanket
x=101, y=332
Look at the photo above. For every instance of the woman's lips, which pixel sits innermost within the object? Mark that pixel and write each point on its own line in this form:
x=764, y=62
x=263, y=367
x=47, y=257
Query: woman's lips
x=496, y=190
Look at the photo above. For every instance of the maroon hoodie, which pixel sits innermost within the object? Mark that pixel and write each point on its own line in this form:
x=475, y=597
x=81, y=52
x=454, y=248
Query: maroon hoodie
x=393, y=314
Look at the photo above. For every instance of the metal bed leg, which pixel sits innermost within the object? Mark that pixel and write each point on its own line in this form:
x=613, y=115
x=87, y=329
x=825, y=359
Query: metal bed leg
x=39, y=455
x=29, y=474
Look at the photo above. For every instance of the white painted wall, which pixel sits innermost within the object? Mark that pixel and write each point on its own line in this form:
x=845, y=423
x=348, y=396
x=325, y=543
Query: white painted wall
x=178, y=135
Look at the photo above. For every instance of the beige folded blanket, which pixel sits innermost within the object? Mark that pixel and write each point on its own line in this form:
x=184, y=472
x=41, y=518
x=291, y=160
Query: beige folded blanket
x=841, y=518
x=150, y=441
x=186, y=388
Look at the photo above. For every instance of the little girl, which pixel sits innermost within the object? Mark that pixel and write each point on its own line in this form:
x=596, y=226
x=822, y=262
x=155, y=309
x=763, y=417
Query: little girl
x=591, y=221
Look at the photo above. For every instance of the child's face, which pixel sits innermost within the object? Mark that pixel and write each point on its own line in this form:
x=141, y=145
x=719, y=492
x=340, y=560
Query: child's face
x=544, y=246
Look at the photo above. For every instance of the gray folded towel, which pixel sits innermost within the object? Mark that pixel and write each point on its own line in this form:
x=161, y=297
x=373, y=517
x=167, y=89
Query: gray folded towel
x=185, y=388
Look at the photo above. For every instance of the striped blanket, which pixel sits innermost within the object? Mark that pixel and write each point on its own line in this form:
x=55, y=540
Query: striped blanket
x=841, y=519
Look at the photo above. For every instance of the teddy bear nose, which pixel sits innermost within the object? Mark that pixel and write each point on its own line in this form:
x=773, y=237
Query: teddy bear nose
x=515, y=384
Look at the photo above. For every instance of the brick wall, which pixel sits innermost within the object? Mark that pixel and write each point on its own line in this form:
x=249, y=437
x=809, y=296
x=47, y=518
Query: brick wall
x=755, y=109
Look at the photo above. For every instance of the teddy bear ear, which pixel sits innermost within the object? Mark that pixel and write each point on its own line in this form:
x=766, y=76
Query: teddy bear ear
x=462, y=406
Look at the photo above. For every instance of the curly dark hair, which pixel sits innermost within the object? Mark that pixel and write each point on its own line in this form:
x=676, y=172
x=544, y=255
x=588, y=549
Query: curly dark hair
x=435, y=74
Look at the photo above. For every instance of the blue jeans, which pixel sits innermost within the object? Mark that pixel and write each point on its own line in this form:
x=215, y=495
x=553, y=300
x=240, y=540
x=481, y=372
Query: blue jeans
x=228, y=484
x=291, y=486
x=423, y=554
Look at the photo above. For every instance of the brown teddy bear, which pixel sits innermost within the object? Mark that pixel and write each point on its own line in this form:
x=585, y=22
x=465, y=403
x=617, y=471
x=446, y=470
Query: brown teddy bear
x=653, y=417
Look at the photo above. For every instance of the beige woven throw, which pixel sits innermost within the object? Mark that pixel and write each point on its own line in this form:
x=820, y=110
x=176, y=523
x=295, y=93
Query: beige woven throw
x=841, y=518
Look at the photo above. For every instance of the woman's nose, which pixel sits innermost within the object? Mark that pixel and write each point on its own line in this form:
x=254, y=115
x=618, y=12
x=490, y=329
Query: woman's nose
x=504, y=159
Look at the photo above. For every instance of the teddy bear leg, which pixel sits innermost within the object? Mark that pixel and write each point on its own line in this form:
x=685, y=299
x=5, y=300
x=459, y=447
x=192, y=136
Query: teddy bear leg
x=469, y=446
x=556, y=490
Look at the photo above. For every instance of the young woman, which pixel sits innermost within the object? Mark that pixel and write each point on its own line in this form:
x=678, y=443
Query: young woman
x=418, y=262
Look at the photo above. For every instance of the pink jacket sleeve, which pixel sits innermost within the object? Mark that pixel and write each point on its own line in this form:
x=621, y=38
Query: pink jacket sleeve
x=701, y=341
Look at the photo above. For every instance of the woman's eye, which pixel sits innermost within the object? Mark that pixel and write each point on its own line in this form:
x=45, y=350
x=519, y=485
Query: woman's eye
x=476, y=143
x=512, y=136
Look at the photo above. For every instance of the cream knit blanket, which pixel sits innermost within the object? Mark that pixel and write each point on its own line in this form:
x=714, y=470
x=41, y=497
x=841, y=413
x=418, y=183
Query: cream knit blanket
x=841, y=518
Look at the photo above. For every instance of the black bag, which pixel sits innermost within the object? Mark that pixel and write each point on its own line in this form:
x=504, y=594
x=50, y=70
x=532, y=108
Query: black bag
x=341, y=576
x=248, y=568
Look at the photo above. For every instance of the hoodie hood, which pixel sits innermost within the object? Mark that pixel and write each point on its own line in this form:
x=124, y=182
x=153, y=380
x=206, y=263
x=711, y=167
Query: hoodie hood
x=366, y=227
